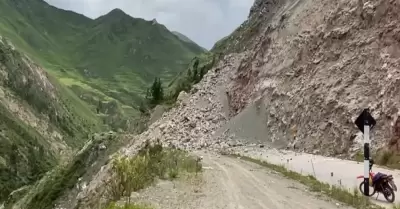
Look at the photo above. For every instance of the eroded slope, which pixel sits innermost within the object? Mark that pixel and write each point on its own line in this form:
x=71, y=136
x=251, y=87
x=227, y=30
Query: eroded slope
x=315, y=65
x=38, y=127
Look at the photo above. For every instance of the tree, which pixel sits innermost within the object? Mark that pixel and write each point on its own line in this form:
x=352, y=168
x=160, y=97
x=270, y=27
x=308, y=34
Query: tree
x=196, y=64
x=14, y=158
x=156, y=92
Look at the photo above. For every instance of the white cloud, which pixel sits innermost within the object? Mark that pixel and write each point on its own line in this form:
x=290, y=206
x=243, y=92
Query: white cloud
x=203, y=21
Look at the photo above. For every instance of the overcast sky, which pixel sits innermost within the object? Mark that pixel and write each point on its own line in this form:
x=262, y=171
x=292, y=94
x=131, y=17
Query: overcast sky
x=203, y=21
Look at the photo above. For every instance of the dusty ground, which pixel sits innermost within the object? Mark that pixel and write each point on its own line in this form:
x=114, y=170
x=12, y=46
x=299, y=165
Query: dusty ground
x=229, y=183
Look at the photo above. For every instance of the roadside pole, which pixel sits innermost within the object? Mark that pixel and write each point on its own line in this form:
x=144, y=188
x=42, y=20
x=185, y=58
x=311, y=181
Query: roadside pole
x=365, y=122
x=366, y=158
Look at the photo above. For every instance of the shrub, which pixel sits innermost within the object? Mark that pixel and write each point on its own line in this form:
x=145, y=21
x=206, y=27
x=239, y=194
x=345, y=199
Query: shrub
x=153, y=161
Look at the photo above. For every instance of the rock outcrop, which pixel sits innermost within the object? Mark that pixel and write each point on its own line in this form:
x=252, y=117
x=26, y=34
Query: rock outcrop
x=316, y=65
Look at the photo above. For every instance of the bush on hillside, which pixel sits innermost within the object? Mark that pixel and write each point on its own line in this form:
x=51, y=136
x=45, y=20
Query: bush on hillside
x=153, y=161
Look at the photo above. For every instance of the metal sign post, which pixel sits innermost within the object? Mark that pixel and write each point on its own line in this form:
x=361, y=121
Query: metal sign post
x=365, y=122
x=366, y=158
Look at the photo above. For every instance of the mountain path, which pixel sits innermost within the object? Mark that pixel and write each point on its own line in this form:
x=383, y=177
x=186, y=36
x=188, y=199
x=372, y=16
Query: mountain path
x=229, y=183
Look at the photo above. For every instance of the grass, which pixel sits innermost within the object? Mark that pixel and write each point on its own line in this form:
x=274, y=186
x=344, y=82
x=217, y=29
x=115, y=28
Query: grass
x=152, y=162
x=127, y=206
x=386, y=158
x=352, y=198
x=65, y=176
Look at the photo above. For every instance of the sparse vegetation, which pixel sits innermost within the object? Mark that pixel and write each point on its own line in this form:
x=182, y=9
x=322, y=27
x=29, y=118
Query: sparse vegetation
x=352, y=198
x=359, y=156
x=388, y=158
x=65, y=176
x=383, y=157
x=184, y=81
x=153, y=161
x=127, y=206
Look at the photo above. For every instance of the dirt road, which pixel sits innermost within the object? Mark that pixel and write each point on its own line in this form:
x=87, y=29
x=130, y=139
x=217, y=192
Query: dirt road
x=230, y=183
x=326, y=169
x=244, y=185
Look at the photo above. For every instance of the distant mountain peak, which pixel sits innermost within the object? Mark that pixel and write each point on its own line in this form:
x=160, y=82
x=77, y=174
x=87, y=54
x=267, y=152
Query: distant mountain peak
x=117, y=11
x=114, y=16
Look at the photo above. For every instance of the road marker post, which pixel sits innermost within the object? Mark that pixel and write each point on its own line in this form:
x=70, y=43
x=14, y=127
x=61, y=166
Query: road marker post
x=365, y=122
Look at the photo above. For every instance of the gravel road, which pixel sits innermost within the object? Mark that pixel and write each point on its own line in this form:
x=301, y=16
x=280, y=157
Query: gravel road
x=230, y=183
x=326, y=169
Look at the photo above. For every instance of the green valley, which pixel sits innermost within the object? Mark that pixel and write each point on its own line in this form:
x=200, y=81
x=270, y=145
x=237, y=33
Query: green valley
x=65, y=77
x=112, y=57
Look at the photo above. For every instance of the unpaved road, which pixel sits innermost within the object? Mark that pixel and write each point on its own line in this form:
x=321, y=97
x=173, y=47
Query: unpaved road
x=238, y=184
x=230, y=183
x=343, y=172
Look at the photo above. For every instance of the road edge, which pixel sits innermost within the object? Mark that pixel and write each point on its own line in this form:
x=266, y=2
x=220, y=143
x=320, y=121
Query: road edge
x=341, y=194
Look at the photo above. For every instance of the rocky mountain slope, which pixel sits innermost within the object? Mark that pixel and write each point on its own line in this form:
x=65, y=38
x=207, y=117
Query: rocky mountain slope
x=112, y=57
x=39, y=126
x=314, y=66
x=295, y=73
x=299, y=75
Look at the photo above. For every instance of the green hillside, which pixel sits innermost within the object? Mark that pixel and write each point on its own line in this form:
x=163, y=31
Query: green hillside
x=41, y=122
x=113, y=57
x=82, y=76
x=188, y=40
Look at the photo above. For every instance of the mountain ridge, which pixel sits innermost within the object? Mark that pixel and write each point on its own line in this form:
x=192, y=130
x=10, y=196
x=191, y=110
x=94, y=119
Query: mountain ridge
x=65, y=77
x=118, y=68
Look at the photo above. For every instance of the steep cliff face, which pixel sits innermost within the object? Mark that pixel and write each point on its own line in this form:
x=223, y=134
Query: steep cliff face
x=314, y=65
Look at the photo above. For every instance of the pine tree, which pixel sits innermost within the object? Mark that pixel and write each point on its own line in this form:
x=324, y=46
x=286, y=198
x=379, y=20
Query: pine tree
x=196, y=64
x=195, y=71
x=156, y=92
